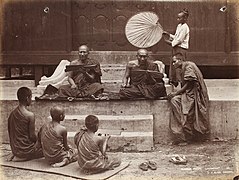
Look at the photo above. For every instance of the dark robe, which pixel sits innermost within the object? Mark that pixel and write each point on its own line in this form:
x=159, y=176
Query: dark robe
x=52, y=145
x=90, y=159
x=189, y=111
x=21, y=144
x=85, y=87
x=144, y=84
x=174, y=74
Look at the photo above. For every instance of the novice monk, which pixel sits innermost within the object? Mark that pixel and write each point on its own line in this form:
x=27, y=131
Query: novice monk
x=92, y=148
x=21, y=129
x=53, y=137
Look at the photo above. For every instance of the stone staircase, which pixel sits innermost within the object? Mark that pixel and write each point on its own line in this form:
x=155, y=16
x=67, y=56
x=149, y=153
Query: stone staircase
x=128, y=132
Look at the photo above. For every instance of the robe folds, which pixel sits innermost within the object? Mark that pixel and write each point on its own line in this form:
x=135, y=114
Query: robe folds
x=145, y=82
x=90, y=159
x=52, y=145
x=189, y=111
x=85, y=87
x=21, y=144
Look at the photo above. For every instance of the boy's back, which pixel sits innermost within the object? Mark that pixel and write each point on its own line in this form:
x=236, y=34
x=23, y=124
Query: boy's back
x=52, y=142
x=18, y=128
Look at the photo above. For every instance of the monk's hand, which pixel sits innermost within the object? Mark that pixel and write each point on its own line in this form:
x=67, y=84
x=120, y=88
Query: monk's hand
x=123, y=85
x=171, y=95
x=73, y=86
x=107, y=136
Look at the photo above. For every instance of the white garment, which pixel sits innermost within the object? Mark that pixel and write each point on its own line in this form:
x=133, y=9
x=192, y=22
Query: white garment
x=181, y=37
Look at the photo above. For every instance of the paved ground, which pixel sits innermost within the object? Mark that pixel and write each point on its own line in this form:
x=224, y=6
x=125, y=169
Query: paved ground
x=209, y=160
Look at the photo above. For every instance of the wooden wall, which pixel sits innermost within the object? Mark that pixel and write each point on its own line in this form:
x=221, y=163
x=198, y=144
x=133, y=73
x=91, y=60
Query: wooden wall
x=45, y=31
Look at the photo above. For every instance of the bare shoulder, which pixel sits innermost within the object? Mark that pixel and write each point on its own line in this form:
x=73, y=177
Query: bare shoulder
x=28, y=114
x=98, y=139
x=74, y=62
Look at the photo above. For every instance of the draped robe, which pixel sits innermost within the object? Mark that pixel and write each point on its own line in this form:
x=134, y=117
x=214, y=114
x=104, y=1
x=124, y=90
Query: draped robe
x=189, y=111
x=52, y=145
x=144, y=84
x=85, y=86
x=89, y=157
x=21, y=144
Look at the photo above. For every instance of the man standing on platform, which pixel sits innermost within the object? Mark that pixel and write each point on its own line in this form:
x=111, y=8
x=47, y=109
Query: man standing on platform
x=83, y=82
x=189, y=120
x=142, y=79
x=21, y=129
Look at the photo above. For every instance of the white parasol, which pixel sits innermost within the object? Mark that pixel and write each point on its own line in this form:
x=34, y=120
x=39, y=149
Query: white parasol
x=143, y=30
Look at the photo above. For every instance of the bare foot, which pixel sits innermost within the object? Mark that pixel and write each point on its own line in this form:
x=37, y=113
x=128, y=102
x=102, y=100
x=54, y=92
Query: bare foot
x=10, y=158
x=17, y=159
x=60, y=164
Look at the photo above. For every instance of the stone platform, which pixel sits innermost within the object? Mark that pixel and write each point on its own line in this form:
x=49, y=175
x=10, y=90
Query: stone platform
x=128, y=133
x=223, y=113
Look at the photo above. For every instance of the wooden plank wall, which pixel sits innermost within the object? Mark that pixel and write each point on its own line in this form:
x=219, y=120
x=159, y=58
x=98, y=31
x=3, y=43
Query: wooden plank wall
x=44, y=31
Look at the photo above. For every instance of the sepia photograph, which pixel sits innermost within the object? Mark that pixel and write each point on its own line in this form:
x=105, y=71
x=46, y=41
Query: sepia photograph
x=119, y=89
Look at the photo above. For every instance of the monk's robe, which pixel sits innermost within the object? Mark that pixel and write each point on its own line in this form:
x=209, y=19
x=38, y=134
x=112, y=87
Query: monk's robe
x=85, y=86
x=90, y=159
x=21, y=144
x=52, y=145
x=189, y=111
x=144, y=84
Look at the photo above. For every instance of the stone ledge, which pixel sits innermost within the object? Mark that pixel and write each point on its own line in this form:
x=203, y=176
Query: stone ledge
x=132, y=123
x=126, y=141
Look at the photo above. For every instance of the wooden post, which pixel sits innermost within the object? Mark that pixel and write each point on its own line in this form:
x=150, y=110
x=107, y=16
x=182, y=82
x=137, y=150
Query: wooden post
x=227, y=32
x=38, y=70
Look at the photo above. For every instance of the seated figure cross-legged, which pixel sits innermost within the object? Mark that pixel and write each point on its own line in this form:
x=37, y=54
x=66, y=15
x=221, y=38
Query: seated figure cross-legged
x=83, y=82
x=142, y=79
x=21, y=129
x=92, y=156
x=53, y=138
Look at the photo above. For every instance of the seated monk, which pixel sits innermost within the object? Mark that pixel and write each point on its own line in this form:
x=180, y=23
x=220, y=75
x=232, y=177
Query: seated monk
x=92, y=156
x=84, y=82
x=21, y=129
x=145, y=79
x=53, y=138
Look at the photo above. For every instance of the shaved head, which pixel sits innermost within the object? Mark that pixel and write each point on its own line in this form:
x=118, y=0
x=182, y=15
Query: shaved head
x=57, y=113
x=83, y=48
x=142, y=52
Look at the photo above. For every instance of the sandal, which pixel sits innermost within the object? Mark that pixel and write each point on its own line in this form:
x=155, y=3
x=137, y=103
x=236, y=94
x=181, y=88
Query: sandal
x=152, y=165
x=144, y=166
x=179, y=160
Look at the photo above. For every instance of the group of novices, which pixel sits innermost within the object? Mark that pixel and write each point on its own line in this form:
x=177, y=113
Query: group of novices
x=188, y=120
x=51, y=140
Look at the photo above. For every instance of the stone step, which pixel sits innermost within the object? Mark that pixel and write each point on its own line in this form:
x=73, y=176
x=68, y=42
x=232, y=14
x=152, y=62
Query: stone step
x=114, y=86
x=124, y=141
x=17, y=83
x=126, y=123
x=112, y=72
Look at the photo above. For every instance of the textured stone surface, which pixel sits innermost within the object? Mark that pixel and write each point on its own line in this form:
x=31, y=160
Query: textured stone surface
x=124, y=141
x=143, y=123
